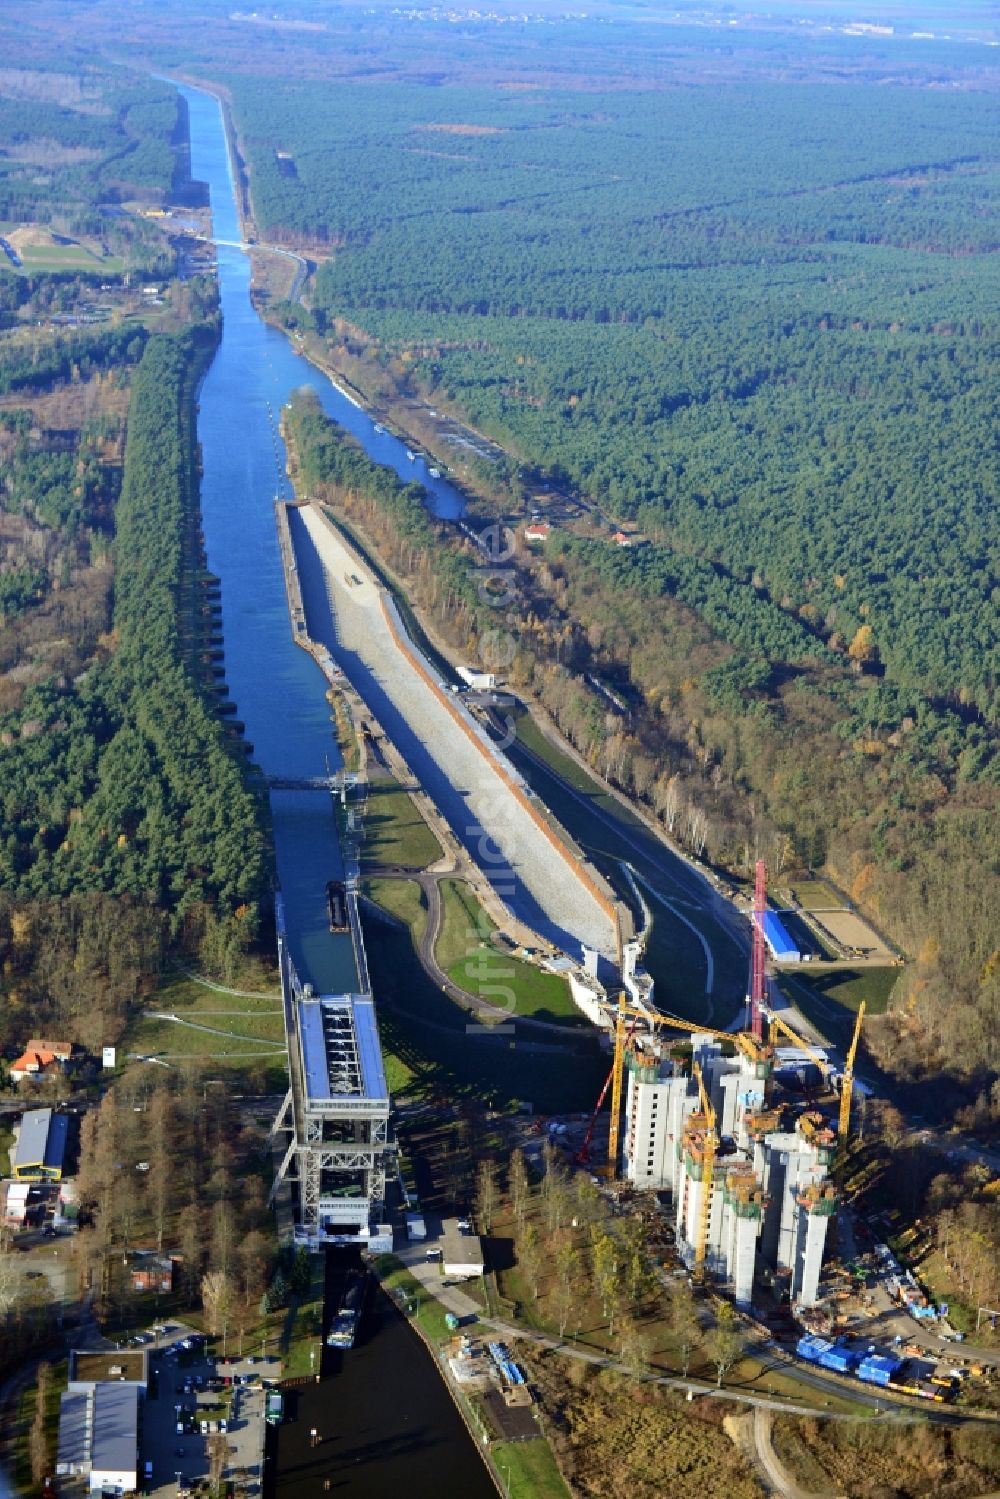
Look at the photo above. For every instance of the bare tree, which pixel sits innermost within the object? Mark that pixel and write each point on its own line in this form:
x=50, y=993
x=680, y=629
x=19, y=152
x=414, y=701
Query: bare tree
x=607, y=1280
x=10, y=1276
x=697, y=829
x=566, y=1294
x=217, y=1299
x=520, y=1187
x=685, y=1329
x=724, y=1344
x=38, y=1445
x=633, y=1351
x=529, y=1256
x=486, y=1195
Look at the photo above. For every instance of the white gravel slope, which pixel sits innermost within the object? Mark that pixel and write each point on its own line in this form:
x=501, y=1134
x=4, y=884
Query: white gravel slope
x=536, y=882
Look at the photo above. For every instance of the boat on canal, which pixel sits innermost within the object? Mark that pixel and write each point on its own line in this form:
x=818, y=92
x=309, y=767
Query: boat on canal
x=344, y=1328
x=336, y=905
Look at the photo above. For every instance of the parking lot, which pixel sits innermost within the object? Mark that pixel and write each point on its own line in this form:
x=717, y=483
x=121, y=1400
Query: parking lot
x=194, y=1403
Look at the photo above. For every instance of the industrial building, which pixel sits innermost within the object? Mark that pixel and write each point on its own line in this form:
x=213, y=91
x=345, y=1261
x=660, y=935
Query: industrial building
x=779, y=943
x=99, y=1432
x=337, y=1107
x=751, y=1192
x=40, y=1152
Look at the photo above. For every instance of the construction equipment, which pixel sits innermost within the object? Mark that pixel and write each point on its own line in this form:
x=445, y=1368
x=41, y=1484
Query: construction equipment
x=758, y=954
x=847, y=1083
x=775, y=1023
x=617, y=1067
x=655, y=1020
x=710, y=1147
x=582, y=1156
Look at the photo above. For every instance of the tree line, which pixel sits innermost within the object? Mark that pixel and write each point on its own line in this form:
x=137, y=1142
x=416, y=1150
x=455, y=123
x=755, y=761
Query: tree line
x=733, y=757
x=120, y=790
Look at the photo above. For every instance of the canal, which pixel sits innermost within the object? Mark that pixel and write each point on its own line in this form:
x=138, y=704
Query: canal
x=387, y=1421
x=278, y=690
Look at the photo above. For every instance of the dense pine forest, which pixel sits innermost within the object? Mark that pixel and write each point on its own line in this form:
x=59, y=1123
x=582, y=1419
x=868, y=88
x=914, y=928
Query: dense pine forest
x=127, y=831
x=756, y=325
x=123, y=807
x=775, y=360
x=735, y=290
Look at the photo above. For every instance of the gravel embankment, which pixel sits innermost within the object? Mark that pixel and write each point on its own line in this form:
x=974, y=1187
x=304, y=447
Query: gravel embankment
x=531, y=876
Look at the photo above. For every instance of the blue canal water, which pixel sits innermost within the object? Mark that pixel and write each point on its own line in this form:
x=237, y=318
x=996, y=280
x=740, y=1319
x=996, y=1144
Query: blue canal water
x=278, y=690
x=388, y=1422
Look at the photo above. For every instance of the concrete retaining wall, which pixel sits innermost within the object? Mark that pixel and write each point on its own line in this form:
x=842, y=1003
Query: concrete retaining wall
x=506, y=772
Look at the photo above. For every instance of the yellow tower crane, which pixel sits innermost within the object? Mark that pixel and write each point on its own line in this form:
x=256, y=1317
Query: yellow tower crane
x=710, y=1148
x=655, y=1020
x=775, y=1023
x=847, y=1085
x=618, y=1067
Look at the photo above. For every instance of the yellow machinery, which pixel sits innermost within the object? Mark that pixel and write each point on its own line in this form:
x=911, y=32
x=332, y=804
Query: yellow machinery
x=847, y=1086
x=710, y=1147
x=618, y=1068
x=654, y=1020
x=775, y=1023
x=755, y=1050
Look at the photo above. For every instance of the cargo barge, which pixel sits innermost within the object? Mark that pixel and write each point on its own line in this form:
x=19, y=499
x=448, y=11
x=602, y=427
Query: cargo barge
x=336, y=905
x=344, y=1328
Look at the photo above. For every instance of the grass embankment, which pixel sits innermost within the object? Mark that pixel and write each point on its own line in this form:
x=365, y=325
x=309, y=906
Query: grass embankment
x=425, y=1310
x=472, y=961
x=811, y=895
x=847, y=987
x=434, y=1049
x=395, y=833
x=228, y=1031
x=830, y=1000
x=300, y=1338
x=528, y=1470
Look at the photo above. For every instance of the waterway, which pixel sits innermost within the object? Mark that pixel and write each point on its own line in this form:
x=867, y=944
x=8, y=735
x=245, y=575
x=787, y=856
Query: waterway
x=388, y=1422
x=277, y=688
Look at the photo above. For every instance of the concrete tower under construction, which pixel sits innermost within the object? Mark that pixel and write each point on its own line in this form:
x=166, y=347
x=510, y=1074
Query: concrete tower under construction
x=747, y=1191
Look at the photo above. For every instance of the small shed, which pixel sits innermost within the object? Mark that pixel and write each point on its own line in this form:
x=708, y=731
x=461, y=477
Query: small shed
x=461, y=1252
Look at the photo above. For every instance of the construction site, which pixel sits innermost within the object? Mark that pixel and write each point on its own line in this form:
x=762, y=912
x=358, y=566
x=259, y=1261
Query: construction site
x=748, y=1173
x=748, y=1176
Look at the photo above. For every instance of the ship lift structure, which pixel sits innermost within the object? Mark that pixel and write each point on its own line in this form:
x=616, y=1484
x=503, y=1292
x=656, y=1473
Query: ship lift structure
x=757, y=1042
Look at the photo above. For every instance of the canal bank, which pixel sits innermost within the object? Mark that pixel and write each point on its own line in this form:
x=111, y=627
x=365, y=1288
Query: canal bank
x=384, y=1420
x=388, y=1421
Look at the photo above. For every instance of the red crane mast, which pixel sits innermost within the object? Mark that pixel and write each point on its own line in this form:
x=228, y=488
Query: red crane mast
x=758, y=956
